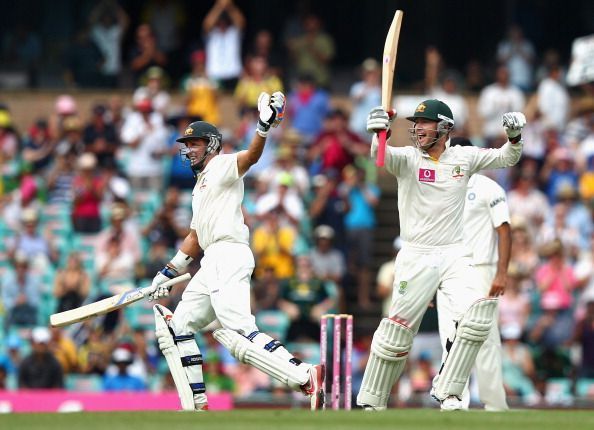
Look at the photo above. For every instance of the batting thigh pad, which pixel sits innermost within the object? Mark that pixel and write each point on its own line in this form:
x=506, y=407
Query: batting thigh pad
x=183, y=358
x=389, y=350
x=293, y=373
x=471, y=332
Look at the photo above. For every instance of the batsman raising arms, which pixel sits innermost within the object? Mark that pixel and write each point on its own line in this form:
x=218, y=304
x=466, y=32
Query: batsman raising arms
x=432, y=181
x=221, y=288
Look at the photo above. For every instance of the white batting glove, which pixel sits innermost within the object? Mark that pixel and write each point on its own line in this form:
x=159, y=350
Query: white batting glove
x=378, y=119
x=513, y=123
x=159, y=291
x=272, y=111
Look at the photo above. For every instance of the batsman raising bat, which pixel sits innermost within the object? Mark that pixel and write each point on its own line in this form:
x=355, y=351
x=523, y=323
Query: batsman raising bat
x=221, y=288
x=432, y=181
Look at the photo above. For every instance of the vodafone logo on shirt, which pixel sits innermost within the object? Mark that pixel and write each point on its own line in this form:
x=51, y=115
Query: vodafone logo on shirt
x=426, y=175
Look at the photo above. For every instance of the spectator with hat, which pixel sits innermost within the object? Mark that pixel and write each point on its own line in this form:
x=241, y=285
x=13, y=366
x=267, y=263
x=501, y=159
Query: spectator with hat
x=21, y=293
x=327, y=261
x=123, y=380
x=154, y=89
x=41, y=369
x=557, y=172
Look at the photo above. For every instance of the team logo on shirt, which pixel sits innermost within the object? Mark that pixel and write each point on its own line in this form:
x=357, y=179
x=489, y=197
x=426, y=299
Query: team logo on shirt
x=457, y=172
x=402, y=287
x=426, y=175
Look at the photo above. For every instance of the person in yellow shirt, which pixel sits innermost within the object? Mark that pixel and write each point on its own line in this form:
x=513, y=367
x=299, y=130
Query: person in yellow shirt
x=64, y=350
x=273, y=245
x=201, y=92
x=257, y=78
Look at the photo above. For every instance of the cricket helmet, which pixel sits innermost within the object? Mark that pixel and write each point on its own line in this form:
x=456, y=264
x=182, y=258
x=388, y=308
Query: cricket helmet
x=433, y=110
x=205, y=131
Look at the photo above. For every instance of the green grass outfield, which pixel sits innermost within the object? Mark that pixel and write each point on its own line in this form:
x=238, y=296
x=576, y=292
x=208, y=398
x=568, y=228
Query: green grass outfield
x=401, y=419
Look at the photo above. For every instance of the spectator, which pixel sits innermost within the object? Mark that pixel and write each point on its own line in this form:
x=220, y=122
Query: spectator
x=101, y=137
x=308, y=105
x=523, y=254
x=64, y=349
x=153, y=88
x=38, y=146
x=327, y=262
x=519, y=371
x=273, y=245
x=360, y=224
x=495, y=100
x=201, y=92
x=336, y=146
x=514, y=305
x=287, y=162
x=11, y=361
x=553, y=100
x=29, y=241
x=123, y=380
x=9, y=145
x=517, y=53
x=95, y=354
x=84, y=62
x=120, y=226
x=263, y=46
x=41, y=369
x=450, y=94
x=256, y=78
x=365, y=95
x=60, y=177
x=72, y=138
x=145, y=53
x=109, y=22
x=21, y=293
x=223, y=27
x=167, y=19
x=115, y=267
x=283, y=198
x=71, y=284
x=558, y=172
x=583, y=337
x=266, y=291
x=145, y=135
x=581, y=126
x=527, y=202
x=164, y=226
x=155, y=260
x=23, y=50
x=64, y=107
x=88, y=189
x=313, y=51
x=305, y=299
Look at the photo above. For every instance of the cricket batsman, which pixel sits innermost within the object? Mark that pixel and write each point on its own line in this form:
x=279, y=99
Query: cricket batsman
x=221, y=288
x=488, y=234
x=432, y=181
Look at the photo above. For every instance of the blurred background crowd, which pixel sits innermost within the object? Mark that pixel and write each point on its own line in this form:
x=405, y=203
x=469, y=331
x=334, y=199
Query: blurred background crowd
x=94, y=197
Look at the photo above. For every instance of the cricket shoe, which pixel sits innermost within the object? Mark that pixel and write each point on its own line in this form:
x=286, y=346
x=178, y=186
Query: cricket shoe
x=201, y=407
x=451, y=403
x=314, y=388
x=369, y=408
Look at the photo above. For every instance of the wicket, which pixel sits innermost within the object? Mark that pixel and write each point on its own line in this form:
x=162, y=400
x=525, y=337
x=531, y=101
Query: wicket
x=336, y=357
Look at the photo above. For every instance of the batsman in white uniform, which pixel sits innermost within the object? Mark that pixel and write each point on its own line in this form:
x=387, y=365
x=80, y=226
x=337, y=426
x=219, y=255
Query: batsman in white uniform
x=487, y=233
x=221, y=288
x=432, y=181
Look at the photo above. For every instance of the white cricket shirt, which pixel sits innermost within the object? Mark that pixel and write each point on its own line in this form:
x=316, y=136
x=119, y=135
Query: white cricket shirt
x=216, y=203
x=486, y=209
x=431, y=194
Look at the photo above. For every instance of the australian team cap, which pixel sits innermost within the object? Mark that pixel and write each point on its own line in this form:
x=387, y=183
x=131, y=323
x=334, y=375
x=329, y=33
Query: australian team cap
x=434, y=110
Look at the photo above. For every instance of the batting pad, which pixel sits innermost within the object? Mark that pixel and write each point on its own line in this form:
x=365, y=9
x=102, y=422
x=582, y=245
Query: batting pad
x=472, y=331
x=248, y=352
x=183, y=358
x=389, y=350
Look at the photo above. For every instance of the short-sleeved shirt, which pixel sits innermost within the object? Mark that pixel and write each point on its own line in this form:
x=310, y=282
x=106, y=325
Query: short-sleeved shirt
x=431, y=193
x=485, y=210
x=216, y=203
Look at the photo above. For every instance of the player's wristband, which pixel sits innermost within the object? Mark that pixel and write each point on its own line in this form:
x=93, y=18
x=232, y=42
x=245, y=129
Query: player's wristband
x=262, y=128
x=180, y=261
x=514, y=140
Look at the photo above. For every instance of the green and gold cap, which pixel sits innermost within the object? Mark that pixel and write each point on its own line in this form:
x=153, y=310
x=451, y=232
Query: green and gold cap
x=434, y=110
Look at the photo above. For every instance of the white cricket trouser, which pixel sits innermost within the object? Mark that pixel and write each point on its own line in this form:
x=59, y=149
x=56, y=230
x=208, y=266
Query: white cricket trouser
x=421, y=271
x=488, y=361
x=219, y=290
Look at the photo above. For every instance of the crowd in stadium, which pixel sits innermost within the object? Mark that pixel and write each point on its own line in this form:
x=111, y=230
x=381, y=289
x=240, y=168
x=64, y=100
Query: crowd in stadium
x=94, y=203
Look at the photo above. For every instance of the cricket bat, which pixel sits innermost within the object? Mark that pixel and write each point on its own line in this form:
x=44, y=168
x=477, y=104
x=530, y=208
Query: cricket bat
x=388, y=65
x=107, y=305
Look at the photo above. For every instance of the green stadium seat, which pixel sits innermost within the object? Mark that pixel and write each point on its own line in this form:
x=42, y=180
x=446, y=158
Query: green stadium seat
x=84, y=383
x=585, y=388
x=273, y=322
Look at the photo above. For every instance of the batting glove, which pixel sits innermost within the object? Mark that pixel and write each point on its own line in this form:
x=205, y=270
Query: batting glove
x=378, y=119
x=164, y=275
x=272, y=111
x=513, y=123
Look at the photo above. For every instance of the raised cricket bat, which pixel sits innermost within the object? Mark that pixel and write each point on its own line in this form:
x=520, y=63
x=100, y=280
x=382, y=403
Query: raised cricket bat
x=388, y=65
x=107, y=305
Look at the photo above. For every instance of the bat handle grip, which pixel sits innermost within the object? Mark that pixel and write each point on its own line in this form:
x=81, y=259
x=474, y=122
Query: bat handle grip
x=381, y=150
x=148, y=290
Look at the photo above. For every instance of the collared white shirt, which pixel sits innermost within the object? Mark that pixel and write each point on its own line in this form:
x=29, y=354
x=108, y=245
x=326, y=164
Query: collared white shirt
x=431, y=193
x=216, y=203
x=485, y=210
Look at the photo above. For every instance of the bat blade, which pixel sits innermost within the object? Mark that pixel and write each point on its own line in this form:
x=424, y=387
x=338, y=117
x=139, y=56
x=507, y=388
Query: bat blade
x=107, y=305
x=388, y=66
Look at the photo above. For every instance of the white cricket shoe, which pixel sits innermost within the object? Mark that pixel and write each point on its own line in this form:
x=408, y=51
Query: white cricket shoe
x=451, y=403
x=314, y=388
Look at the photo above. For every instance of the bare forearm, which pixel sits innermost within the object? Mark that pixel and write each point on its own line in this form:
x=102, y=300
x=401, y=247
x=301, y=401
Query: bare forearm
x=249, y=157
x=503, y=247
x=190, y=245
